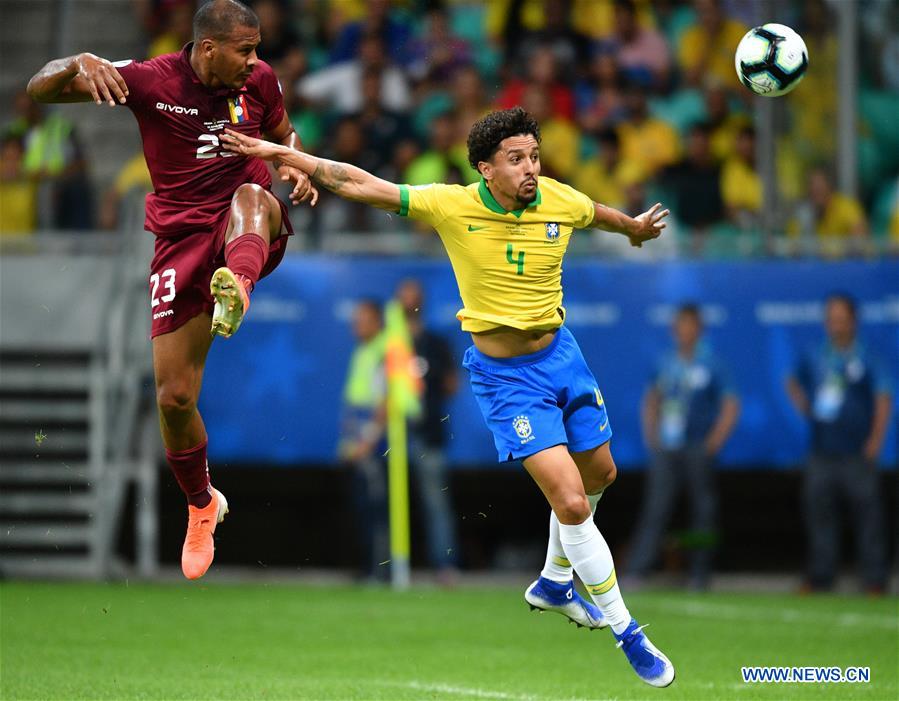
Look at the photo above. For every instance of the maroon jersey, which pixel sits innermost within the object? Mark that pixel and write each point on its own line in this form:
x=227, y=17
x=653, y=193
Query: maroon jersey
x=180, y=123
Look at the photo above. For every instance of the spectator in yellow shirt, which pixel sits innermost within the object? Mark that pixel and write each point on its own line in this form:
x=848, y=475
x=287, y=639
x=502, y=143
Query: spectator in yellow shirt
x=559, y=138
x=592, y=18
x=606, y=178
x=813, y=112
x=596, y=18
x=18, y=206
x=835, y=219
x=647, y=140
x=177, y=29
x=741, y=186
x=707, y=48
x=836, y=214
x=133, y=177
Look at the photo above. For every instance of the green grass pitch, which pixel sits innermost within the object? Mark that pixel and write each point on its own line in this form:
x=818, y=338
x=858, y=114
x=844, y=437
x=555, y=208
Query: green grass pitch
x=284, y=641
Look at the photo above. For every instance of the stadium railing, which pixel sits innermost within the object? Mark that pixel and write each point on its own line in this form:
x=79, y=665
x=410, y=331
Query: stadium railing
x=75, y=360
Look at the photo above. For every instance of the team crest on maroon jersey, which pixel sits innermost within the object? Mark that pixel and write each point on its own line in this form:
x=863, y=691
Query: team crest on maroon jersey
x=237, y=106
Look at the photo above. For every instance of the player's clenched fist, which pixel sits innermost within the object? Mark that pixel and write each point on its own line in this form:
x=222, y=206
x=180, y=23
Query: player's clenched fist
x=102, y=78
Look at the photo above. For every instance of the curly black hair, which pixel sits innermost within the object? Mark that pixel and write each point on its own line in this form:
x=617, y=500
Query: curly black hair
x=487, y=133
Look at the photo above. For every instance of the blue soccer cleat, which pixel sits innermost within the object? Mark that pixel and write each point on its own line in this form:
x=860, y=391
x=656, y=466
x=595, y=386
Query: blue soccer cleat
x=547, y=595
x=649, y=664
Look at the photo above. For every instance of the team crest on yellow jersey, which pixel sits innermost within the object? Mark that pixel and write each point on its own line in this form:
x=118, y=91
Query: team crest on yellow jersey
x=552, y=231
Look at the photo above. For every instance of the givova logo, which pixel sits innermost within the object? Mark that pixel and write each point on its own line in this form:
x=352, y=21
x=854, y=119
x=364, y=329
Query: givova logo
x=177, y=109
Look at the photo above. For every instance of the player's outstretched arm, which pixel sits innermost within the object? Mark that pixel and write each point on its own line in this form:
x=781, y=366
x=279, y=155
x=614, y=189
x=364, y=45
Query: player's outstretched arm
x=79, y=78
x=343, y=179
x=643, y=227
x=286, y=135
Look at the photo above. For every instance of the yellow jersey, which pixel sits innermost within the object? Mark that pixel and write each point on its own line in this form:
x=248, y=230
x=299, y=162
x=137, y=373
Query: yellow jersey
x=741, y=186
x=653, y=143
x=18, y=206
x=717, y=51
x=508, y=265
x=842, y=215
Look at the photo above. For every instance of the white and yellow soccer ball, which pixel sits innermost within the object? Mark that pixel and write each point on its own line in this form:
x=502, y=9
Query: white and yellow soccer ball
x=771, y=60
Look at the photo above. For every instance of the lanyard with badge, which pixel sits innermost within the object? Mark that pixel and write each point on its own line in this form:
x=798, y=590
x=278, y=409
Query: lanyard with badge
x=830, y=394
x=675, y=405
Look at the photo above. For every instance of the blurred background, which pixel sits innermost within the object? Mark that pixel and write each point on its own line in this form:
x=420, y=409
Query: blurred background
x=776, y=204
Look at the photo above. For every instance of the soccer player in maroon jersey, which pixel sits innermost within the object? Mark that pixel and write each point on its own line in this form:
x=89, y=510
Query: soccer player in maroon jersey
x=218, y=227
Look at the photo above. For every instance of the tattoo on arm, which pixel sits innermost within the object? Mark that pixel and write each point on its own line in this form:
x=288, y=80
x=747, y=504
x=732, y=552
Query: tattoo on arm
x=331, y=175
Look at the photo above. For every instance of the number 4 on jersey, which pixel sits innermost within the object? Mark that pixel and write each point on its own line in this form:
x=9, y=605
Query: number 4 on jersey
x=519, y=261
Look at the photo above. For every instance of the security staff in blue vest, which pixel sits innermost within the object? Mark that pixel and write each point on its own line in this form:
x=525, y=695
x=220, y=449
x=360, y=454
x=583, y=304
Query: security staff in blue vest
x=844, y=392
x=689, y=411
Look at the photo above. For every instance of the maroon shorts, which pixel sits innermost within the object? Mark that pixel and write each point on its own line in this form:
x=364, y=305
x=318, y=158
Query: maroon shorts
x=183, y=265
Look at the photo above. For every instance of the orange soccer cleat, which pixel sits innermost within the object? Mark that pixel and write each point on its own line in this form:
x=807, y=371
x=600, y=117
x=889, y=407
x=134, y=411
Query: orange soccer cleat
x=199, y=548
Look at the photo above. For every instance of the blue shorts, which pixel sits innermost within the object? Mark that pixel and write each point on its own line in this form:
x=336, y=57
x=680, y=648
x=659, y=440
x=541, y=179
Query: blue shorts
x=533, y=402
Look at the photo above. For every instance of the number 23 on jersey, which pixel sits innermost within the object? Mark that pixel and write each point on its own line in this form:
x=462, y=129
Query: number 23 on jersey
x=167, y=278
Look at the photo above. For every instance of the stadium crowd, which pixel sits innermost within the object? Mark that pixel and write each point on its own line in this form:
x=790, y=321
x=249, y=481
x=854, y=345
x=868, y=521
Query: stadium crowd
x=637, y=101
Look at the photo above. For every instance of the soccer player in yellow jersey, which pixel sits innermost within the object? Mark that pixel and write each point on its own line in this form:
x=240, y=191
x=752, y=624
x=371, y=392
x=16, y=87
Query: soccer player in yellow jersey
x=506, y=237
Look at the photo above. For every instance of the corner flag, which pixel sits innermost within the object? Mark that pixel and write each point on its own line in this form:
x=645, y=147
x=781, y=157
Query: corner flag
x=404, y=389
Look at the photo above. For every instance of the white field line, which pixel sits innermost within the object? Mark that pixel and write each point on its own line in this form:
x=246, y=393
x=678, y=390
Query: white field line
x=701, y=609
x=719, y=686
x=472, y=692
x=465, y=691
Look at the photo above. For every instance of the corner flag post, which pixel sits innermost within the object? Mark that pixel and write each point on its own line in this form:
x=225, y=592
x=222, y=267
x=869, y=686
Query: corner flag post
x=398, y=494
x=403, y=391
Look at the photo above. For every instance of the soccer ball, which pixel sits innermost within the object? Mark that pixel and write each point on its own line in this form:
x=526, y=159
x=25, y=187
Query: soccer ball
x=771, y=60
